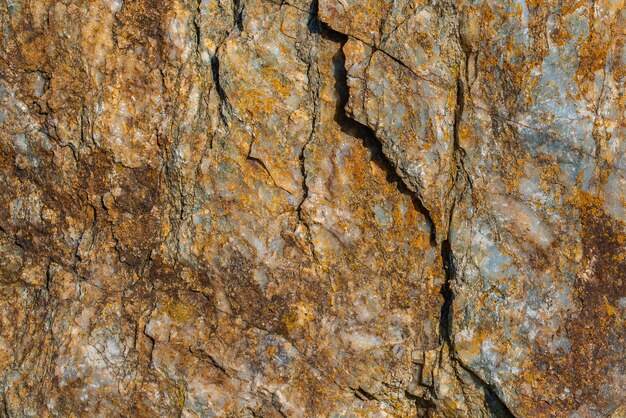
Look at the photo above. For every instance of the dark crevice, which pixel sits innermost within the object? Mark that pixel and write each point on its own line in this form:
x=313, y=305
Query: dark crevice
x=447, y=256
x=48, y=276
x=25, y=243
x=196, y=26
x=363, y=395
x=445, y=320
x=305, y=186
x=494, y=404
x=349, y=126
x=458, y=115
x=238, y=11
x=150, y=338
x=151, y=354
x=5, y=405
x=358, y=130
x=224, y=103
x=314, y=23
x=423, y=405
x=197, y=30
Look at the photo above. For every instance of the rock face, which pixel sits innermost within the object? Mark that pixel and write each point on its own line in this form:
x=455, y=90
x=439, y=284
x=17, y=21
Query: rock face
x=289, y=208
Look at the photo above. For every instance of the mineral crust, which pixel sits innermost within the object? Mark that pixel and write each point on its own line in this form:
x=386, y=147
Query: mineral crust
x=333, y=208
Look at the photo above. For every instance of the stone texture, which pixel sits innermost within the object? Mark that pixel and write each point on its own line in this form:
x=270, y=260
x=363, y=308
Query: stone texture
x=347, y=208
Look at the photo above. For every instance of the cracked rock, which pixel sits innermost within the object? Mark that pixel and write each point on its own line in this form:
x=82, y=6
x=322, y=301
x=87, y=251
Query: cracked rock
x=264, y=208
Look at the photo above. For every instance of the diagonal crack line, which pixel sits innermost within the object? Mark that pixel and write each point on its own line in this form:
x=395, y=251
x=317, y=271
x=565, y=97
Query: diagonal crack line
x=365, y=133
x=261, y=163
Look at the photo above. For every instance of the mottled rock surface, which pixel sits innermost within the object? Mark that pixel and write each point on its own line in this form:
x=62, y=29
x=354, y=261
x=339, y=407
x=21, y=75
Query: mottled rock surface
x=268, y=208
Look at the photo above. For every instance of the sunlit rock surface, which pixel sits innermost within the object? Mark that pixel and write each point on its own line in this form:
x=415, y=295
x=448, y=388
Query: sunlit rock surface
x=258, y=208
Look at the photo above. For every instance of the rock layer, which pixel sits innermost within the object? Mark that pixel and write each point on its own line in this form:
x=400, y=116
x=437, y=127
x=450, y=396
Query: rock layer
x=271, y=208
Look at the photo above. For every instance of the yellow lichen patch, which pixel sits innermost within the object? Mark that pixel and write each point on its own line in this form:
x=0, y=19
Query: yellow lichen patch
x=178, y=311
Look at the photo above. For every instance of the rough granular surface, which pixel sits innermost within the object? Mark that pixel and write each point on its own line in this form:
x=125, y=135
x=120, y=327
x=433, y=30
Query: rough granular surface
x=303, y=208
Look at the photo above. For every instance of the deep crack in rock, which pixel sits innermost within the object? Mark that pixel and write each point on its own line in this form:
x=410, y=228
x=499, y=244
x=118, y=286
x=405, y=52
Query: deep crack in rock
x=363, y=132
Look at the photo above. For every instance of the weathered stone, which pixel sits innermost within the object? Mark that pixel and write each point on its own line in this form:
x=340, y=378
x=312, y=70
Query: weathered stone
x=292, y=208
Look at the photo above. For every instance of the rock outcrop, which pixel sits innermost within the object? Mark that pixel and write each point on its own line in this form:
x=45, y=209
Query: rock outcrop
x=297, y=208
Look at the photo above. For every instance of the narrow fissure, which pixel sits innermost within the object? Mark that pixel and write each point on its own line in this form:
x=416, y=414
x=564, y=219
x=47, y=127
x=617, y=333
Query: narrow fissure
x=224, y=103
x=363, y=394
x=196, y=26
x=445, y=320
x=5, y=404
x=313, y=76
x=238, y=8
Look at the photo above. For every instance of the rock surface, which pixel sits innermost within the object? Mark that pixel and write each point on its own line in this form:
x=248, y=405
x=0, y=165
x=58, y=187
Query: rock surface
x=292, y=208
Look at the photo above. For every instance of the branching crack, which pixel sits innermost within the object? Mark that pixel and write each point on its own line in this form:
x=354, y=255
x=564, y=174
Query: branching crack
x=380, y=48
x=461, y=183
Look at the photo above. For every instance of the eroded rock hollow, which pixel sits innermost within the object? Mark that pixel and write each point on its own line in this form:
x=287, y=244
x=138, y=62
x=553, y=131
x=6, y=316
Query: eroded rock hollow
x=267, y=208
